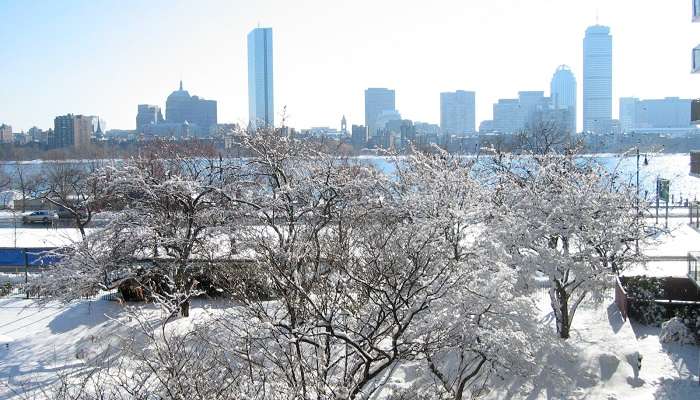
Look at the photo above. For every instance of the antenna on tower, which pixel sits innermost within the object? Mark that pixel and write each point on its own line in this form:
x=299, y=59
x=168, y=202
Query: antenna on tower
x=597, y=16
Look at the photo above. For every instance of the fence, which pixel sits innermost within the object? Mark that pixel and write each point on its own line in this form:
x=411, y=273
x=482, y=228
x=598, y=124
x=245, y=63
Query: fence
x=17, y=265
x=28, y=257
x=673, y=294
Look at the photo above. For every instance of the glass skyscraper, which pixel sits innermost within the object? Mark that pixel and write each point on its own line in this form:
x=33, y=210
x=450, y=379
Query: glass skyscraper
x=597, y=80
x=260, y=89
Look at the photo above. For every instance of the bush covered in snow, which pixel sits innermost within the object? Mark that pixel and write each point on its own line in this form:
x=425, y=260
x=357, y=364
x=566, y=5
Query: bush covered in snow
x=676, y=331
x=642, y=291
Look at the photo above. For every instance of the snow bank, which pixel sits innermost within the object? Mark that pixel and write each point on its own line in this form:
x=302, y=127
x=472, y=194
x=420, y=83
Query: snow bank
x=41, y=237
x=676, y=331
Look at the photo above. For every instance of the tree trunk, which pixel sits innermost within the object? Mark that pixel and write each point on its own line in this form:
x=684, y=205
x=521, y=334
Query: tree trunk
x=560, y=306
x=563, y=325
x=185, y=308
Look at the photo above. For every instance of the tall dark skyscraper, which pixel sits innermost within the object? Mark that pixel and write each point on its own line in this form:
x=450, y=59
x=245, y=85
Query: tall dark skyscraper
x=597, y=80
x=261, y=108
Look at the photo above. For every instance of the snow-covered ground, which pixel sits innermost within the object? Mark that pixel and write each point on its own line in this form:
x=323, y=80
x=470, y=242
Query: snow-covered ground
x=675, y=241
x=597, y=362
x=43, y=237
x=38, y=343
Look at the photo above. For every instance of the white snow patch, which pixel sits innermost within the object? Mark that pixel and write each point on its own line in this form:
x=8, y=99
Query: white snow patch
x=675, y=331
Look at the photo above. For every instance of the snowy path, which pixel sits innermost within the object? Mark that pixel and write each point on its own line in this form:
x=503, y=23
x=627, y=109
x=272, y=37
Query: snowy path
x=41, y=342
x=595, y=363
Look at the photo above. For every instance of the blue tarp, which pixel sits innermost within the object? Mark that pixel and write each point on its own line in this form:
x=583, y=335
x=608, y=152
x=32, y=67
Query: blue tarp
x=35, y=256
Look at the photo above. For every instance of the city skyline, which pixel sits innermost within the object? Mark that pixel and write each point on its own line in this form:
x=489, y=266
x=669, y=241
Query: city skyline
x=320, y=77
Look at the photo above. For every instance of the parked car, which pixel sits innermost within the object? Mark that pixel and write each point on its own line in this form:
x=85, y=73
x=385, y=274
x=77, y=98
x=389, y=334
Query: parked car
x=39, y=216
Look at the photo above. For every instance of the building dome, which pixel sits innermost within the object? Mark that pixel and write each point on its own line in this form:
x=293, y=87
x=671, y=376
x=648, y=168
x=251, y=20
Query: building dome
x=179, y=94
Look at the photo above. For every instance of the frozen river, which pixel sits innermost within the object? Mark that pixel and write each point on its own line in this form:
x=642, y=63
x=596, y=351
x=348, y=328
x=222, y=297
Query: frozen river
x=675, y=167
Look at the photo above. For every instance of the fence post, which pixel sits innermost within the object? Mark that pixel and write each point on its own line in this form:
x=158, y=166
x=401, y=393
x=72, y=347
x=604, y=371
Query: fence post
x=26, y=272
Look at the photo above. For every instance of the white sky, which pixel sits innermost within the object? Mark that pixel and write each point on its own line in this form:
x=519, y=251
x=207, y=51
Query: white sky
x=106, y=57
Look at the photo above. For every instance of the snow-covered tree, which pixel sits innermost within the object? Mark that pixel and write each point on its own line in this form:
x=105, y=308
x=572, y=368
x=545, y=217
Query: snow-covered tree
x=562, y=217
x=484, y=327
x=76, y=189
x=170, y=221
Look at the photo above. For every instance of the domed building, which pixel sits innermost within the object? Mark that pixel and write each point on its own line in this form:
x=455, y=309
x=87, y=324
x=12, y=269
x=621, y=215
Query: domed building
x=200, y=114
x=177, y=105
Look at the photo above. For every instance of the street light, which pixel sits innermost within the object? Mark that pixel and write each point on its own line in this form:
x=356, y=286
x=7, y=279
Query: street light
x=646, y=162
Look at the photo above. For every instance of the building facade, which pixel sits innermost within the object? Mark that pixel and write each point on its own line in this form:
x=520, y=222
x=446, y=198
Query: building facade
x=359, y=137
x=260, y=83
x=377, y=101
x=71, y=131
x=199, y=113
x=667, y=113
x=146, y=115
x=507, y=116
x=514, y=115
x=83, y=131
x=458, y=112
x=597, y=80
x=563, y=93
x=6, y=134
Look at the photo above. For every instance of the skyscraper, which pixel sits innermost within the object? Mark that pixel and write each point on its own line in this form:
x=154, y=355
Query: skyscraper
x=458, y=112
x=563, y=92
x=597, y=80
x=377, y=100
x=260, y=90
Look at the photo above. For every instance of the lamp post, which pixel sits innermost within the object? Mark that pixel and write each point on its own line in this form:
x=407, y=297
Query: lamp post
x=636, y=199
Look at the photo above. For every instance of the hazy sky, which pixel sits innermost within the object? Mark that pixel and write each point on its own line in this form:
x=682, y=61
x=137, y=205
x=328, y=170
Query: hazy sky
x=104, y=57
